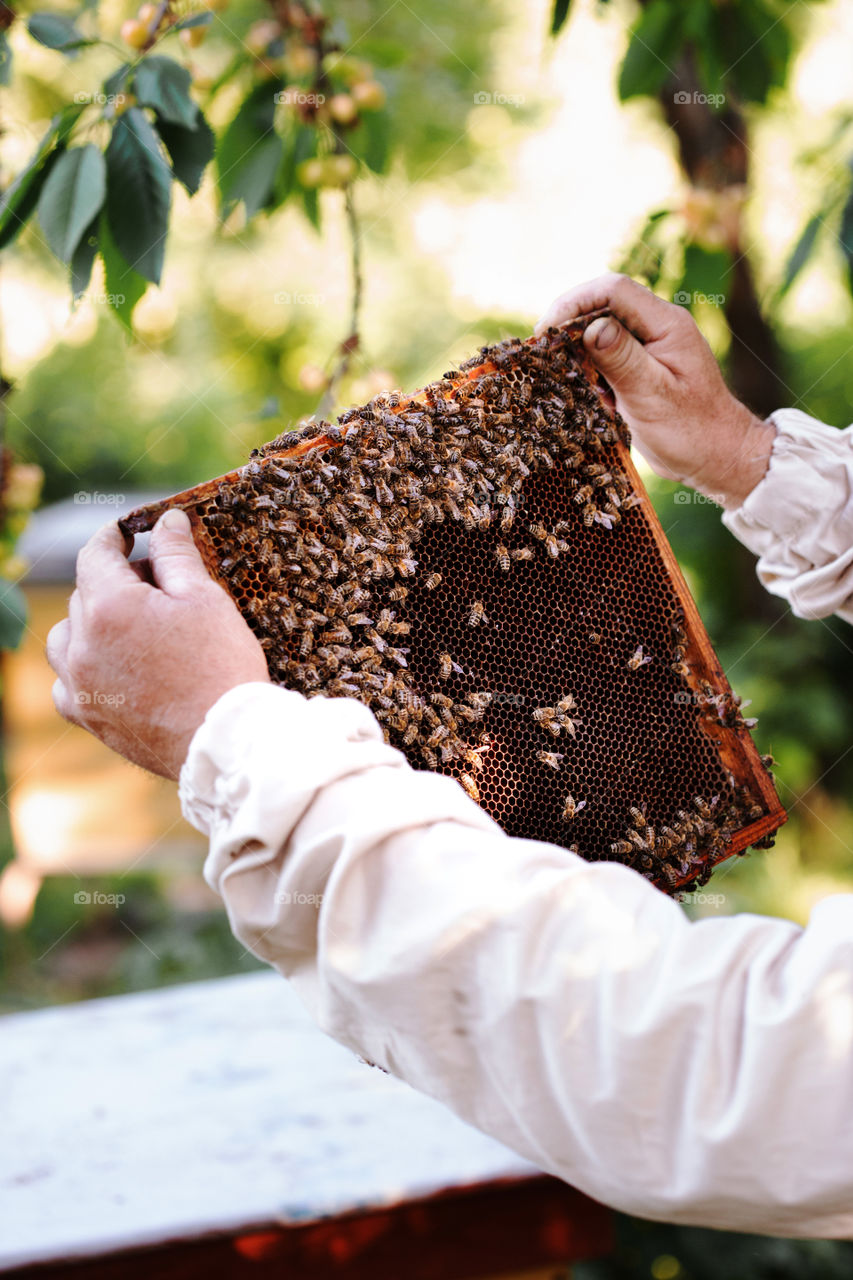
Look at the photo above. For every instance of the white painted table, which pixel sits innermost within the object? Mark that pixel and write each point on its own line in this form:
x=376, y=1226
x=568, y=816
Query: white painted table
x=215, y=1110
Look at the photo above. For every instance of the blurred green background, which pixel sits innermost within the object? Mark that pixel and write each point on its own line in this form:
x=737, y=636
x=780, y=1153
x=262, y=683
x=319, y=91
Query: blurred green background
x=520, y=163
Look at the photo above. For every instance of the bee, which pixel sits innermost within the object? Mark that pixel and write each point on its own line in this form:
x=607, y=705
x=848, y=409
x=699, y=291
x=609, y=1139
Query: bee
x=594, y=637
x=474, y=758
x=477, y=614
x=589, y=513
x=554, y=546
x=399, y=592
x=523, y=553
x=621, y=847
x=470, y=785
x=440, y=700
x=447, y=667
x=433, y=581
x=638, y=659
x=507, y=518
x=411, y=734
x=680, y=669
x=571, y=808
x=502, y=555
x=674, y=838
x=583, y=495
x=552, y=759
x=638, y=818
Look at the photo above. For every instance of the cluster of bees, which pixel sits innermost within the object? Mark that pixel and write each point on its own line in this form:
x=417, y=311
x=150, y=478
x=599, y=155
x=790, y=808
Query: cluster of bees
x=685, y=850
x=318, y=539
x=334, y=528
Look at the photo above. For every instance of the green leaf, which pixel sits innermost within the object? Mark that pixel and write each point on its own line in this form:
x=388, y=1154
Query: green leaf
x=56, y=31
x=758, y=45
x=370, y=141
x=559, y=15
x=83, y=260
x=195, y=20
x=845, y=235
x=71, y=197
x=20, y=199
x=139, y=188
x=124, y=285
x=250, y=152
x=300, y=145
x=311, y=206
x=800, y=253
x=164, y=84
x=115, y=83
x=705, y=276
x=5, y=60
x=656, y=39
x=13, y=614
x=190, y=150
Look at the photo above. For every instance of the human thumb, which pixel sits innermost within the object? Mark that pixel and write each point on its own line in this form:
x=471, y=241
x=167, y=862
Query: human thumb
x=176, y=565
x=619, y=356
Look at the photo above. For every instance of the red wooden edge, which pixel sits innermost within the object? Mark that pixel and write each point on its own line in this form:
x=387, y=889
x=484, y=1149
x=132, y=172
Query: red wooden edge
x=458, y=1234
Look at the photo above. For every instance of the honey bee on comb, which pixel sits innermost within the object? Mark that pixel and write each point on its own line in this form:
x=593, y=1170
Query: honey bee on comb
x=509, y=485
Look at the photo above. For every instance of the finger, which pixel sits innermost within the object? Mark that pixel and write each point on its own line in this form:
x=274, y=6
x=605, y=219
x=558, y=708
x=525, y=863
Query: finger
x=623, y=360
x=176, y=565
x=142, y=569
x=641, y=310
x=56, y=648
x=102, y=564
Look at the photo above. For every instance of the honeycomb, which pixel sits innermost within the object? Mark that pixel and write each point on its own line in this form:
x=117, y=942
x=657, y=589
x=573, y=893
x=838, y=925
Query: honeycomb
x=480, y=564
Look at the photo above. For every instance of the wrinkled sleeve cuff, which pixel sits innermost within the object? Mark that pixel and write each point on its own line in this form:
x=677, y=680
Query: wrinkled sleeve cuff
x=799, y=519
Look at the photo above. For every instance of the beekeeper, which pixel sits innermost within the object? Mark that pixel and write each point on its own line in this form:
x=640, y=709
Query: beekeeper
x=692, y=1072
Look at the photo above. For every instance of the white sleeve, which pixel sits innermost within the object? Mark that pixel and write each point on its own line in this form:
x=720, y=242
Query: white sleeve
x=691, y=1072
x=799, y=519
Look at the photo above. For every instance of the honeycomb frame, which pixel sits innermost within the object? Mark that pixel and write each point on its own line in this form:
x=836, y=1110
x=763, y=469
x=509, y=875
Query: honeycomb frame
x=479, y=562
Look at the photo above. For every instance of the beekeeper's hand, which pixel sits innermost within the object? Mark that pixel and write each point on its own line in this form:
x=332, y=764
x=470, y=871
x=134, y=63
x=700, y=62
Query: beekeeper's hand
x=147, y=650
x=669, y=389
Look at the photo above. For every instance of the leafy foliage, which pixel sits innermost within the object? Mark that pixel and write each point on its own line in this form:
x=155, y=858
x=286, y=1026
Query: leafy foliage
x=309, y=116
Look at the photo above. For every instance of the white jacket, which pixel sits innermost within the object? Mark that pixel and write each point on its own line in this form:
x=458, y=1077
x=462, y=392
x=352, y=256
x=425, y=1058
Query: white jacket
x=692, y=1072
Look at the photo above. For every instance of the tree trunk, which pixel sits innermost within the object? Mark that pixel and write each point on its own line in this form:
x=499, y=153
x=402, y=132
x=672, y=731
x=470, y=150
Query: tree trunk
x=714, y=155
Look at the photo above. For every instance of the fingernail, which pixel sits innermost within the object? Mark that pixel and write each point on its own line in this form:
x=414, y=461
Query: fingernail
x=175, y=520
x=603, y=332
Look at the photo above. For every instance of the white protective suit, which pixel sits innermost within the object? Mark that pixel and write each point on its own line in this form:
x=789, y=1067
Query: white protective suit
x=691, y=1072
